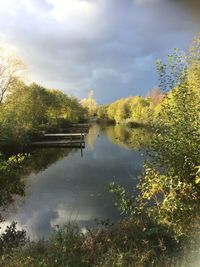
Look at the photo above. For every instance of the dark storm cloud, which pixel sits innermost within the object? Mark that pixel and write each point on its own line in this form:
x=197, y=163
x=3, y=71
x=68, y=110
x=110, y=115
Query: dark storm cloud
x=193, y=6
x=108, y=45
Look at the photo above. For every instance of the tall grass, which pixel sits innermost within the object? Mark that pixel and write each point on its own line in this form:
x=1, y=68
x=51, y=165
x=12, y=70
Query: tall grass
x=137, y=242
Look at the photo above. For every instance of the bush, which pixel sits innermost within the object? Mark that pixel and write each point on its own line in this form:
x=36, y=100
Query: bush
x=132, y=242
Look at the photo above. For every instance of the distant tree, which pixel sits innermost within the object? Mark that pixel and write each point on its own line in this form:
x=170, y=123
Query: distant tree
x=102, y=112
x=90, y=103
x=141, y=110
x=156, y=96
x=131, y=110
x=11, y=68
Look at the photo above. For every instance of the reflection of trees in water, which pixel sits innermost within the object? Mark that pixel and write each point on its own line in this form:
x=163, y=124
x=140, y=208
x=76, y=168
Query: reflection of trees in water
x=13, y=170
x=11, y=183
x=128, y=137
x=92, y=135
x=9, y=188
x=43, y=158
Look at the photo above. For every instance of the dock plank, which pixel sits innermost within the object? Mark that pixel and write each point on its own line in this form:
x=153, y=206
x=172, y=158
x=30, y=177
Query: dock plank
x=58, y=143
x=64, y=134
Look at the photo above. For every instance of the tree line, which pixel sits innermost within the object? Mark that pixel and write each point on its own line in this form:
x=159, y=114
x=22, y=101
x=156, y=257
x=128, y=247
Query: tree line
x=133, y=110
x=26, y=110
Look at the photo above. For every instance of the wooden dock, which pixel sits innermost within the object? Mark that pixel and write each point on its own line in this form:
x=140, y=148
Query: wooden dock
x=73, y=137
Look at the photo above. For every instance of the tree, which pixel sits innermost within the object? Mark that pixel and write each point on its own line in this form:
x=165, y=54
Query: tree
x=11, y=68
x=141, y=110
x=194, y=65
x=169, y=189
x=173, y=72
x=28, y=109
x=156, y=96
x=171, y=182
x=89, y=103
x=102, y=112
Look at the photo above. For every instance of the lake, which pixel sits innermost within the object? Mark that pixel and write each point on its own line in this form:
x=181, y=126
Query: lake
x=62, y=185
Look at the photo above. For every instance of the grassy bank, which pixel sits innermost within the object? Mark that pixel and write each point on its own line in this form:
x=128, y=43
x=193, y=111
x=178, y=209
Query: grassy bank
x=133, y=242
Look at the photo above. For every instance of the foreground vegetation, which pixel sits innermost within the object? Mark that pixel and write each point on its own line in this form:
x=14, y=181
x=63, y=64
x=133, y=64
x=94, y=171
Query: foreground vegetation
x=161, y=226
x=136, y=241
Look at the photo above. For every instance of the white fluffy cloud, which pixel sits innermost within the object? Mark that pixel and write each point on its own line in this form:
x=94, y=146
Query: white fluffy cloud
x=71, y=10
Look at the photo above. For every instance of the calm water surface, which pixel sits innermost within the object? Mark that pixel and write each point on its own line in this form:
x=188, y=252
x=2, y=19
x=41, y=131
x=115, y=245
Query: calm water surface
x=61, y=185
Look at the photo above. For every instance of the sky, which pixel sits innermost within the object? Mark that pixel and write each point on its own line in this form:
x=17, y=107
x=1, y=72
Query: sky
x=109, y=46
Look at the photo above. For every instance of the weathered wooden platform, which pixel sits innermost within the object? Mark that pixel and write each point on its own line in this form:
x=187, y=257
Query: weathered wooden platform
x=73, y=137
x=60, y=143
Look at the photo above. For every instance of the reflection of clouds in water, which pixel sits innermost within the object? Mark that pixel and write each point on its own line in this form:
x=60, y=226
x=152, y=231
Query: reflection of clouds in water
x=35, y=225
x=38, y=222
x=74, y=188
x=69, y=214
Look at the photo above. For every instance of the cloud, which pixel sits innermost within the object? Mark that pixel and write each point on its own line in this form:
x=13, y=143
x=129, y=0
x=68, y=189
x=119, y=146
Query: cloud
x=71, y=10
x=108, y=45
